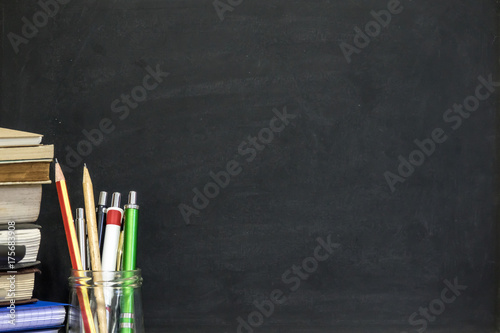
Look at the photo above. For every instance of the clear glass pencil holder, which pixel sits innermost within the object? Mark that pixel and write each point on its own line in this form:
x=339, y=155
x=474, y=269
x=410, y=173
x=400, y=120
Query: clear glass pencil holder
x=105, y=301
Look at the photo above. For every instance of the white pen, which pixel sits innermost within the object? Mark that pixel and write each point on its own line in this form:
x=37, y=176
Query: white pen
x=114, y=215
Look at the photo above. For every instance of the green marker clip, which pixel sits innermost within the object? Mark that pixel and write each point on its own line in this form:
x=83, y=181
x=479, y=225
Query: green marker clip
x=131, y=217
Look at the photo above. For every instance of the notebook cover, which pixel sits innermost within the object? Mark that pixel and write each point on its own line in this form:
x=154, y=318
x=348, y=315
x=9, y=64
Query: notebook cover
x=33, y=316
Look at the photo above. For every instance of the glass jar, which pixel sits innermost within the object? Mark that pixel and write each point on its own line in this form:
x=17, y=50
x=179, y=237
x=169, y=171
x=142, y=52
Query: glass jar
x=100, y=300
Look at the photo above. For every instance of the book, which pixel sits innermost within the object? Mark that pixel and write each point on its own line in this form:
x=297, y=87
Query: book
x=18, y=286
x=33, y=316
x=24, y=166
x=11, y=138
x=27, y=153
x=19, y=266
x=24, y=171
x=24, y=242
x=20, y=203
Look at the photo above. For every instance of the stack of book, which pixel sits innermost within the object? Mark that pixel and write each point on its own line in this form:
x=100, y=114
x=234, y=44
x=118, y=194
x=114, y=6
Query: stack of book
x=24, y=167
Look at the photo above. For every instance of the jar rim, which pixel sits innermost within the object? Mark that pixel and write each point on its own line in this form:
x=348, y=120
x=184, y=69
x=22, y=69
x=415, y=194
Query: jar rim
x=137, y=270
x=88, y=278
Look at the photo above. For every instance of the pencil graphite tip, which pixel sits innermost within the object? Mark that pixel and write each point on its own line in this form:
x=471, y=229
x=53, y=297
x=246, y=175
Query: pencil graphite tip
x=55, y=159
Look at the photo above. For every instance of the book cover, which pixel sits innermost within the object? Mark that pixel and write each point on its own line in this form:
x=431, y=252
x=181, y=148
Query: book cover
x=26, y=153
x=10, y=137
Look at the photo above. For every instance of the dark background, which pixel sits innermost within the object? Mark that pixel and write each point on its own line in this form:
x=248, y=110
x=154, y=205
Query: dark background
x=322, y=175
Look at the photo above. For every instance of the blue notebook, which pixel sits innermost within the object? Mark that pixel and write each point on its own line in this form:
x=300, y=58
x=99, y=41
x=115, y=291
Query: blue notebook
x=32, y=316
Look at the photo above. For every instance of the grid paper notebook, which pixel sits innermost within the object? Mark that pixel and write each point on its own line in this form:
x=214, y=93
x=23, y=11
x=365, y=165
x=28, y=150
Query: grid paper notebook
x=41, y=314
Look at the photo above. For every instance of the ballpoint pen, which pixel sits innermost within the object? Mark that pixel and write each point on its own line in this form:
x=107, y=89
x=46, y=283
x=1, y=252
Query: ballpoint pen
x=82, y=236
x=101, y=218
x=129, y=261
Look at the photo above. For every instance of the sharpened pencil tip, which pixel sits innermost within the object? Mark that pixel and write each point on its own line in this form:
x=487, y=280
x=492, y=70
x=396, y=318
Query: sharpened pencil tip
x=55, y=159
x=59, y=174
x=84, y=165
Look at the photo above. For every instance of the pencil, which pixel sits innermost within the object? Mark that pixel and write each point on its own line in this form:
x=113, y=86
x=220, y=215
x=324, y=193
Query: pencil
x=74, y=251
x=95, y=257
x=119, y=253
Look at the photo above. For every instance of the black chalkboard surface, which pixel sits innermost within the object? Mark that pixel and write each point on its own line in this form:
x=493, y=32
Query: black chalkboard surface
x=301, y=166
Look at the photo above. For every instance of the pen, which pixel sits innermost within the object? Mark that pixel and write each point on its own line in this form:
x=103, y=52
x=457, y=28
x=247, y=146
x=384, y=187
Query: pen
x=101, y=217
x=81, y=234
x=113, y=225
x=114, y=217
x=129, y=261
x=89, y=262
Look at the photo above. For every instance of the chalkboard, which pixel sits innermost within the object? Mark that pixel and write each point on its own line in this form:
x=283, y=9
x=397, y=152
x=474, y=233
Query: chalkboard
x=301, y=166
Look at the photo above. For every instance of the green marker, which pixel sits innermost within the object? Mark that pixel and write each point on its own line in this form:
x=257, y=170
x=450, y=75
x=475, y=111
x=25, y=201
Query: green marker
x=131, y=218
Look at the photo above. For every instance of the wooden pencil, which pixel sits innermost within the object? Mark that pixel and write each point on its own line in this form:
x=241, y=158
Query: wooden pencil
x=74, y=252
x=95, y=257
